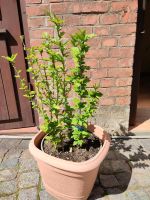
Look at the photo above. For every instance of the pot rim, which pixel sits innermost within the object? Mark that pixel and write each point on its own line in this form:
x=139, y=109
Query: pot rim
x=70, y=165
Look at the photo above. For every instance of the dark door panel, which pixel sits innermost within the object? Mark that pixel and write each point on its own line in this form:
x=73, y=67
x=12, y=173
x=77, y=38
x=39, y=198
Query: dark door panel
x=6, y=78
x=15, y=110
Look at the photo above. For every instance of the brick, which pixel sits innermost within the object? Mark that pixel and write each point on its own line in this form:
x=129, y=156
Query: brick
x=101, y=31
x=122, y=100
x=90, y=7
x=119, y=6
x=95, y=41
x=51, y=1
x=123, y=29
x=117, y=72
x=128, y=17
x=35, y=42
x=124, y=52
x=37, y=10
x=109, y=62
x=133, y=5
x=90, y=19
x=126, y=62
x=107, y=82
x=105, y=91
x=123, y=81
x=48, y=22
x=37, y=34
x=71, y=30
x=107, y=101
x=71, y=20
x=96, y=74
x=97, y=53
x=109, y=42
x=36, y=22
x=93, y=82
x=126, y=41
x=109, y=19
x=62, y=8
x=33, y=1
x=120, y=91
x=92, y=63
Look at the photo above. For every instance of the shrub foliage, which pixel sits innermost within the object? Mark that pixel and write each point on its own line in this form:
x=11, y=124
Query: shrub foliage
x=61, y=93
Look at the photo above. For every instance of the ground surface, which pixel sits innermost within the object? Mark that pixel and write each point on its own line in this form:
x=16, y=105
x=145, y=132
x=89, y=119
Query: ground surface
x=124, y=175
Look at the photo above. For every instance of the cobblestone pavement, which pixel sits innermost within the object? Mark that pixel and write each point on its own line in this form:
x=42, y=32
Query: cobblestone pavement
x=124, y=174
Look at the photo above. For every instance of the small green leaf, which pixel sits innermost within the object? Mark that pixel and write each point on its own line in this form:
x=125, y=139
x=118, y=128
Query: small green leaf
x=10, y=58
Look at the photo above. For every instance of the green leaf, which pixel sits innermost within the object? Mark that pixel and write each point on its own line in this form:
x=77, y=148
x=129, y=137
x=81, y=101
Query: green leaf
x=10, y=58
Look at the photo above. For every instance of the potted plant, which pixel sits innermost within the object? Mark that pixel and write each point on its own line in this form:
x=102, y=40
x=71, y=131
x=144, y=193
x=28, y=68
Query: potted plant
x=67, y=148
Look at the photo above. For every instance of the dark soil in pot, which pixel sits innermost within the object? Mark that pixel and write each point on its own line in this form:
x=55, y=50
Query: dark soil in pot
x=75, y=154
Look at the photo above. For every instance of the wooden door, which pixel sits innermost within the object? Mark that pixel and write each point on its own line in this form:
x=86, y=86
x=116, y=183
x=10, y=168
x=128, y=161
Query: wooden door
x=15, y=110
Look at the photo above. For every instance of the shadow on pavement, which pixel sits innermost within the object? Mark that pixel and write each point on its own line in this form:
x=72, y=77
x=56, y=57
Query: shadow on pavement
x=116, y=170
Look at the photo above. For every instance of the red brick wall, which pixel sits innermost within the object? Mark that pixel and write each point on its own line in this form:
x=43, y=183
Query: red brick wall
x=111, y=54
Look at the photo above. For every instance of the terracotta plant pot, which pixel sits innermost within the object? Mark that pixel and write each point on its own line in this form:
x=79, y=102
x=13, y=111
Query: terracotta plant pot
x=67, y=180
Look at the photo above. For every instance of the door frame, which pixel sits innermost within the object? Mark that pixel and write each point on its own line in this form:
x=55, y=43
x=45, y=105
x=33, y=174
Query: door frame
x=25, y=31
x=139, y=47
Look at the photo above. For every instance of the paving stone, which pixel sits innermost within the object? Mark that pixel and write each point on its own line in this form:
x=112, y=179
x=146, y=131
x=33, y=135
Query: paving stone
x=139, y=156
x=126, y=154
x=111, y=155
x=13, y=153
x=42, y=186
x=28, y=194
x=10, y=143
x=9, y=163
x=24, y=144
x=116, y=194
x=143, y=179
x=27, y=165
x=133, y=183
x=141, y=167
x=45, y=196
x=137, y=195
x=8, y=187
x=96, y=193
x=2, y=154
x=131, y=144
x=106, y=167
x=123, y=178
x=29, y=179
x=26, y=155
x=7, y=174
x=121, y=156
x=27, y=162
x=108, y=181
x=11, y=197
x=145, y=143
x=147, y=190
x=120, y=166
x=11, y=159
